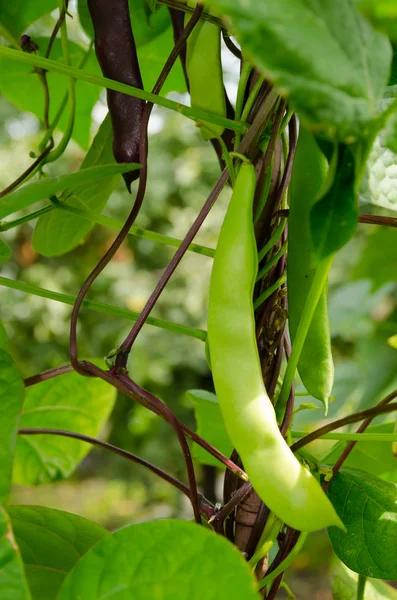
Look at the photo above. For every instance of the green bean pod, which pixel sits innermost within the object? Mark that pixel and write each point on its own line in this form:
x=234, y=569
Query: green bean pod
x=315, y=366
x=281, y=481
x=204, y=70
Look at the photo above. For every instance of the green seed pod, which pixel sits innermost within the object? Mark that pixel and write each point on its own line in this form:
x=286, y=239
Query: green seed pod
x=281, y=481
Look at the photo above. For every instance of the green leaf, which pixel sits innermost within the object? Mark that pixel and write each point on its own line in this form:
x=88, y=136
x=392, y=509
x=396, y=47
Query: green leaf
x=383, y=15
x=374, y=457
x=5, y=252
x=390, y=138
x=11, y=400
x=16, y=16
x=33, y=192
x=22, y=86
x=3, y=338
x=368, y=508
x=59, y=232
x=13, y=585
x=338, y=96
x=350, y=308
x=166, y=560
x=377, y=260
x=70, y=402
x=51, y=543
x=344, y=586
x=333, y=218
x=210, y=426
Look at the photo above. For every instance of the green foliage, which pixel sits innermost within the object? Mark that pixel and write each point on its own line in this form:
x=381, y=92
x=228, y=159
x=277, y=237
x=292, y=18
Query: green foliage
x=190, y=563
x=209, y=425
x=51, y=542
x=20, y=84
x=374, y=457
x=69, y=402
x=16, y=16
x=13, y=585
x=33, y=192
x=338, y=96
x=344, y=586
x=368, y=507
x=59, y=232
x=5, y=251
x=11, y=400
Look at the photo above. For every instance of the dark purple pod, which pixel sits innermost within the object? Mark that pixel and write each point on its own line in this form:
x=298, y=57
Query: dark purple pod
x=117, y=57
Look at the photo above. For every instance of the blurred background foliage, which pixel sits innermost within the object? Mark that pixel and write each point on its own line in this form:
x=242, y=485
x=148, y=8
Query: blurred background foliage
x=182, y=170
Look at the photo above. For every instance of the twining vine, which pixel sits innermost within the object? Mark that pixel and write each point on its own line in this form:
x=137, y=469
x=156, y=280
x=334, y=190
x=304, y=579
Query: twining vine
x=263, y=129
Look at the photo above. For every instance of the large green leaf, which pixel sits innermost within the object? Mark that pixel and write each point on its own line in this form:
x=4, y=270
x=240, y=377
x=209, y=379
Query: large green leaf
x=17, y=15
x=70, y=402
x=383, y=14
x=368, y=508
x=51, y=543
x=344, y=586
x=22, y=86
x=323, y=55
x=210, y=426
x=165, y=560
x=375, y=457
x=59, y=232
x=33, y=192
x=11, y=400
x=13, y=585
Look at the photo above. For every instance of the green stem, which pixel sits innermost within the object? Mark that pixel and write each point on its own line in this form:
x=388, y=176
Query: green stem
x=242, y=86
x=268, y=537
x=274, y=260
x=316, y=288
x=102, y=307
x=107, y=222
x=60, y=149
x=247, y=107
x=58, y=67
x=63, y=104
x=269, y=291
x=275, y=237
x=285, y=563
x=265, y=194
x=362, y=580
x=351, y=437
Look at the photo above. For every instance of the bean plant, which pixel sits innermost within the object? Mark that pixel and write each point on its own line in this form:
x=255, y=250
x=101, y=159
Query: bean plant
x=304, y=141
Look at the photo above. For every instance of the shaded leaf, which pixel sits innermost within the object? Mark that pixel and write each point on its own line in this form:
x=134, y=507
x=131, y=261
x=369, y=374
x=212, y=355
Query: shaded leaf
x=11, y=400
x=70, y=402
x=338, y=96
x=165, y=559
x=210, y=426
x=17, y=15
x=33, y=192
x=367, y=506
x=378, y=259
x=13, y=585
x=51, y=543
x=344, y=586
x=22, y=86
x=59, y=232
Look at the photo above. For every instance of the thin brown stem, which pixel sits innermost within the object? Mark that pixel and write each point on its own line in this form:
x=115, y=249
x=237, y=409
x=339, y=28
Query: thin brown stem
x=349, y=447
x=369, y=414
x=218, y=519
x=34, y=379
x=378, y=220
x=143, y=150
x=206, y=508
x=29, y=171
